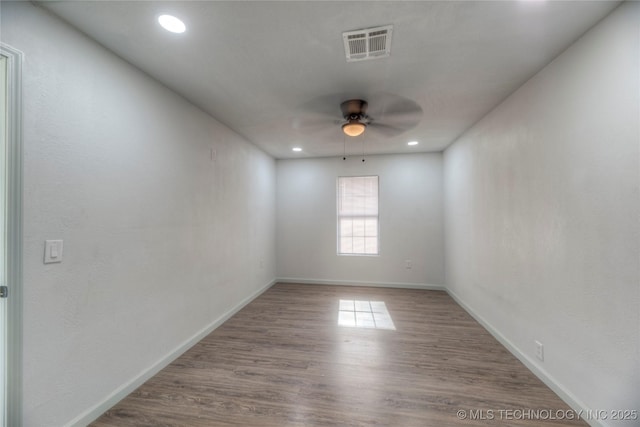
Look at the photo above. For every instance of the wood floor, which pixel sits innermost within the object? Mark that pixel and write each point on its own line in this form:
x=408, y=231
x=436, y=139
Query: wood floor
x=284, y=361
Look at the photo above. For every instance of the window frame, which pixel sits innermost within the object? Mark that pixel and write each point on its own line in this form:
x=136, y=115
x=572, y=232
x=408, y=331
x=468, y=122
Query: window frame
x=338, y=217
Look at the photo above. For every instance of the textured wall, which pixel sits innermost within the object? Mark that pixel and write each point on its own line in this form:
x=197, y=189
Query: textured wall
x=159, y=241
x=411, y=223
x=542, y=205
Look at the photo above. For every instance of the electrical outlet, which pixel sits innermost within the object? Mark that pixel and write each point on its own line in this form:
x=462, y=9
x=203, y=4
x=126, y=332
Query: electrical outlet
x=407, y=264
x=539, y=350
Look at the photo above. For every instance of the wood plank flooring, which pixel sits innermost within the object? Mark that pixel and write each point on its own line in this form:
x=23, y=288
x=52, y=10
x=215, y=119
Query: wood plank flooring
x=283, y=360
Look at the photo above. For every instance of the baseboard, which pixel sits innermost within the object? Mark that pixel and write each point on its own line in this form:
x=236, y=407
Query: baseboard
x=361, y=283
x=568, y=397
x=93, y=413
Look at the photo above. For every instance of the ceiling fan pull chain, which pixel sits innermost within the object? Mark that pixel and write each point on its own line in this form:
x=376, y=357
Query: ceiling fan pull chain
x=344, y=147
x=363, y=138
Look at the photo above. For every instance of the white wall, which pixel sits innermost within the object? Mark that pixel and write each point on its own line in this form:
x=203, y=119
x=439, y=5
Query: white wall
x=159, y=242
x=542, y=205
x=411, y=223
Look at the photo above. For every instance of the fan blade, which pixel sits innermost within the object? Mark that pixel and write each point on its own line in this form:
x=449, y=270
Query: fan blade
x=395, y=110
x=311, y=123
x=385, y=130
x=318, y=112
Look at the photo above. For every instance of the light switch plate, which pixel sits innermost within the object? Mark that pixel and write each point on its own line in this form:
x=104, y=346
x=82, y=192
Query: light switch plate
x=539, y=350
x=52, y=251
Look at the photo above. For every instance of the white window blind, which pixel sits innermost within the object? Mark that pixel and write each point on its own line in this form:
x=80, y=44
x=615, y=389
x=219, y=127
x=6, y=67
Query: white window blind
x=358, y=215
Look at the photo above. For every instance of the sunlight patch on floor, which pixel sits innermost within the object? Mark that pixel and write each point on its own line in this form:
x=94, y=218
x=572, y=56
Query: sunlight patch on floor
x=364, y=314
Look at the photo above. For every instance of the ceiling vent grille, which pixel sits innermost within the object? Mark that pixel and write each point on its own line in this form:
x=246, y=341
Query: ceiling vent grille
x=370, y=43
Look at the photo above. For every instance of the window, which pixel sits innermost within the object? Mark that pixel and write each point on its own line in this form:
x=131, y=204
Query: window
x=358, y=215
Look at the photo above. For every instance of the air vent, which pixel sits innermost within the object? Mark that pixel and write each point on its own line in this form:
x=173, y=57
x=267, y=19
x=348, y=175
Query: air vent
x=370, y=43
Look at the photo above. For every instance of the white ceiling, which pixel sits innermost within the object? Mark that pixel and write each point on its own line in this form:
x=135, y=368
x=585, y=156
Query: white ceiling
x=266, y=68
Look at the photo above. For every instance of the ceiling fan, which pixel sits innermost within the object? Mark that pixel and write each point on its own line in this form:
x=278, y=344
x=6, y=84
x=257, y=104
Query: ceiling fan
x=385, y=115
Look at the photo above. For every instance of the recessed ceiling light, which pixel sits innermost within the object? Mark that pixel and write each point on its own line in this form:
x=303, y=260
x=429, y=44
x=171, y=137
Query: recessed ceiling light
x=412, y=143
x=297, y=149
x=171, y=23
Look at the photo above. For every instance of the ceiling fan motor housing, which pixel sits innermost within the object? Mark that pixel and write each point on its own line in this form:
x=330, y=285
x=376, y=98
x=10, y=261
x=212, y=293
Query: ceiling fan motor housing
x=354, y=109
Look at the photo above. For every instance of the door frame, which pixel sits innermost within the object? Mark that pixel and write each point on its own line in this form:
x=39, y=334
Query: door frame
x=14, y=234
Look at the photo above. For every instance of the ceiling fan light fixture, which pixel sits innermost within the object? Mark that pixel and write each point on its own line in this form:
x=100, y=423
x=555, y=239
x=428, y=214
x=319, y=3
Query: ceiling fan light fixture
x=353, y=128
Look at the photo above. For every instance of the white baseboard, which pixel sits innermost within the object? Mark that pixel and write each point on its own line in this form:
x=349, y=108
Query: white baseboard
x=93, y=413
x=120, y=393
x=361, y=283
x=568, y=397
